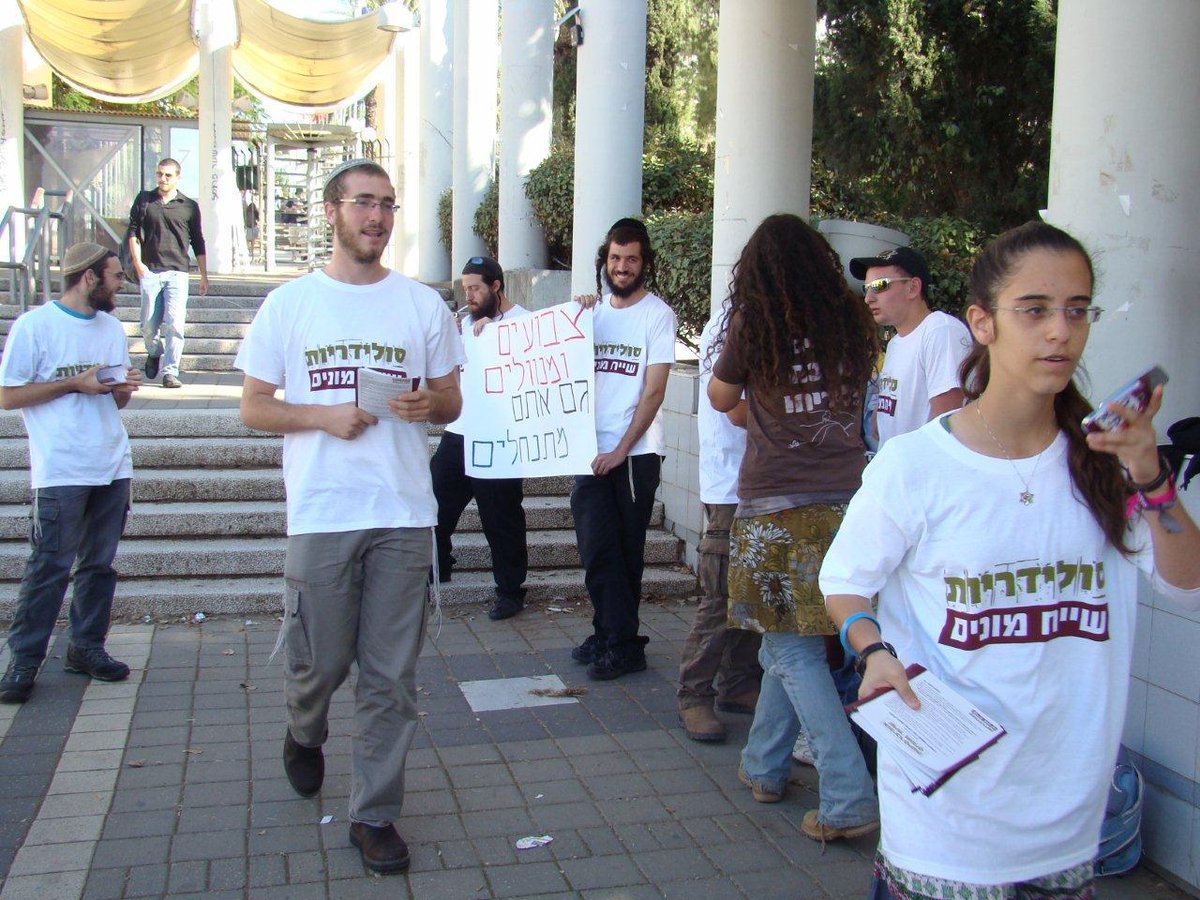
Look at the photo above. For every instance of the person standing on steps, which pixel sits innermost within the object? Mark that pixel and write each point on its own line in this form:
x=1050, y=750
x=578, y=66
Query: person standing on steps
x=499, y=499
x=360, y=502
x=66, y=367
x=634, y=334
x=163, y=223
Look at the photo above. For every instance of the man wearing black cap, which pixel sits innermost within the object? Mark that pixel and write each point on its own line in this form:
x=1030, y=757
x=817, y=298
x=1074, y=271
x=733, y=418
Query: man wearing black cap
x=634, y=335
x=499, y=499
x=920, y=370
x=66, y=367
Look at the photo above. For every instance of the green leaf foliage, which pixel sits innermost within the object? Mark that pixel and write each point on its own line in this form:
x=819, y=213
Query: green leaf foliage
x=682, y=241
x=486, y=222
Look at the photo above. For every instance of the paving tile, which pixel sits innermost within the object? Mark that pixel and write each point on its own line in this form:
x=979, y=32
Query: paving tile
x=64, y=830
x=188, y=876
x=146, y=881
x=521, y=880
x=451, y=884
x=680, y=864
x=91, y=760
x=489, y=823
x=82, y=782
x=212, y=818
x=266, y=870
x=601, y=872
x=57, y=884
x=111, y=853
x=286, y=839
x=472, y=800
x=140, y=799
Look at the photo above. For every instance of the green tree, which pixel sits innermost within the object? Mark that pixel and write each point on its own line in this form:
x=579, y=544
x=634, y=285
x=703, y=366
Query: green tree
x=938, y=107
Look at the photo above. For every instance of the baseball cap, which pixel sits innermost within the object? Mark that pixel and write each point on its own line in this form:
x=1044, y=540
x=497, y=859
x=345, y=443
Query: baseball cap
x=906, y=258
x=485, y=266
x=82, y=256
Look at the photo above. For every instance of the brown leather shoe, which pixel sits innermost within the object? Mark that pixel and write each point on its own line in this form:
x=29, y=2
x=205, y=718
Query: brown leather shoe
x=812, y=827
x=382, y=848
x=305, y=766
x=742, y=703
x=701, y=724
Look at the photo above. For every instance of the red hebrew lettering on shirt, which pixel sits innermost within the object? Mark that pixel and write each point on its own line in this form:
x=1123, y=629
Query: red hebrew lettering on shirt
x=886, y=405
x=1024, y=603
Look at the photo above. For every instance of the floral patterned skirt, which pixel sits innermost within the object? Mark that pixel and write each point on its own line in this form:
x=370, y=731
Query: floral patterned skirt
x=773, y=565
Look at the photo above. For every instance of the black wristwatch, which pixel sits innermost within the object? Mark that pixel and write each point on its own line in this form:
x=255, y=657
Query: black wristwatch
x=861, y=665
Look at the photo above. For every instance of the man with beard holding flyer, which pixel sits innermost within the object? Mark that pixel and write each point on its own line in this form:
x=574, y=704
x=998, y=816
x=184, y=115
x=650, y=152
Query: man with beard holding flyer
x=499, y=499
x=634, y=336
x=360, y=502
x=66, y=367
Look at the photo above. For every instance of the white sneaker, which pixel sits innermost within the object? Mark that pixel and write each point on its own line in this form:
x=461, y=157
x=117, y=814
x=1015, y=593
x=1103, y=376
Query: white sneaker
x=802, y=752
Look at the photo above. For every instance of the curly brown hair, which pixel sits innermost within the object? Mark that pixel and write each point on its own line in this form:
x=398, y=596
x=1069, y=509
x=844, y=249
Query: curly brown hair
x=789, y=298
x=1097, y=477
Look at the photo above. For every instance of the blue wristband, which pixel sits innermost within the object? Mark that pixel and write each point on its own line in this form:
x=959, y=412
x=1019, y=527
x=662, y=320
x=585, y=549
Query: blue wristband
x=845, y=629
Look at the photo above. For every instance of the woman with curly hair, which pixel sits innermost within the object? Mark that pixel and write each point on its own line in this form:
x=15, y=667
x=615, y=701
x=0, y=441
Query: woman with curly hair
x=801, y=347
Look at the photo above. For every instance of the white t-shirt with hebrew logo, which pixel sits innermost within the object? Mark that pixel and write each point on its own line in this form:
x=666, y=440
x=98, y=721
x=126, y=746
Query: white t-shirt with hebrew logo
x=312, y=336
x=918, y=367
x=626, y=341
x=1028, y=612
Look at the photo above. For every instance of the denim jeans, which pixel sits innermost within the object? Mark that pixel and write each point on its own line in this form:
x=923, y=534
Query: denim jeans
x=69, y=522
x=164, y=309
x=797, y=687
x=612, y=513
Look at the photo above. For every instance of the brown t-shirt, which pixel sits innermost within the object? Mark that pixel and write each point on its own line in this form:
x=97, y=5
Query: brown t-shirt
x=794, y=442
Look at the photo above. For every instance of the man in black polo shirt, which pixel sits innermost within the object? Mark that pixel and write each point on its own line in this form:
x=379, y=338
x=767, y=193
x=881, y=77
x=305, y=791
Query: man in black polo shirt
x=162, y=224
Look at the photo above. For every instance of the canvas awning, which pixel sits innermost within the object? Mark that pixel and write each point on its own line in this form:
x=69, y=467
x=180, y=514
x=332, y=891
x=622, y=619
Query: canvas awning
x=128, y=51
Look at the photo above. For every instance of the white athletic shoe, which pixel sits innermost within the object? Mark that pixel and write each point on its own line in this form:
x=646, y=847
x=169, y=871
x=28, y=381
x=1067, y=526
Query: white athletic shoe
x=802, y=752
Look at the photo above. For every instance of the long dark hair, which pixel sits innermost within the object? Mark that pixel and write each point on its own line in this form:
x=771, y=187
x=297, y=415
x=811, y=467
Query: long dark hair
x=789, y=295
x=1097, y=477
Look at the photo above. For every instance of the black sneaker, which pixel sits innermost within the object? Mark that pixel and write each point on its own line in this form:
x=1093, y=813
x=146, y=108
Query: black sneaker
x=615, y=663
x=17, y=683
x=152, y=363
x=588, y=651
x=305, y=766
x=96, y=662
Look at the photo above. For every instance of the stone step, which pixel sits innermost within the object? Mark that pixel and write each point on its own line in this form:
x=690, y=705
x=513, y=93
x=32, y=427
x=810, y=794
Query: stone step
x=255, y=518
x=261, y=597
x=173, y=453
x=221, y=313
x=196, y=424
x=248, y=555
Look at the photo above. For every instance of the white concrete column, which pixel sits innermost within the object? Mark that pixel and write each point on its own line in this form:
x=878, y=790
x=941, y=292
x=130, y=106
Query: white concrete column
x=12, y=115
x=436, y=140
x=526, y=90
x=269, y=206
x=610, y=116
x=220, y=200
x=764, y=122
x=476, y=58
x=407, y=150
x=1124, y=179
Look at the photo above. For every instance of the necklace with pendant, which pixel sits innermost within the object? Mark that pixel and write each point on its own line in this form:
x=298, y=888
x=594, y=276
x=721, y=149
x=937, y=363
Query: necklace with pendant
x=1026, y=496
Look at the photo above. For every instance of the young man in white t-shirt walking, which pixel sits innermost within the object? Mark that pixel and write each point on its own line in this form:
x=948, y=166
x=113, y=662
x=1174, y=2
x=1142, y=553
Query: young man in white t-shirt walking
x=634, y=334
x=499, y=499
x=66, y=367
x=360, y=502
x=920, y=370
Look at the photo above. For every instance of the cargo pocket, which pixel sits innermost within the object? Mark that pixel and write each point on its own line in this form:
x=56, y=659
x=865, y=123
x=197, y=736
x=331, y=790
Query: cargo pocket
x=295, y=631
x=43, y=523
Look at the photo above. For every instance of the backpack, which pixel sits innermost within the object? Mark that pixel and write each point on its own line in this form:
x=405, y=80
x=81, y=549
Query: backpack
x=1120, y=834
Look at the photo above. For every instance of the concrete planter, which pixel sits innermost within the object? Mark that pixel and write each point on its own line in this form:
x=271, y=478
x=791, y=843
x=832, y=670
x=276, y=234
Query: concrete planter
x=851, y=239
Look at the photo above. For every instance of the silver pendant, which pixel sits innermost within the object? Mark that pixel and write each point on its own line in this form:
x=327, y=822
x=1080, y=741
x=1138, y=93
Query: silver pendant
x=1026, y=498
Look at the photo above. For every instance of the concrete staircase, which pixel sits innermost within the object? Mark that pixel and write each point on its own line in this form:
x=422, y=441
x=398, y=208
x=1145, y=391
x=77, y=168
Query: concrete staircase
x=207, y=530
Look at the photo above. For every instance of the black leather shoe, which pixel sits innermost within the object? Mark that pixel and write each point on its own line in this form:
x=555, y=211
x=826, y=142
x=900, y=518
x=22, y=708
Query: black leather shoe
x=152, y=363
x=382, y=848
x=615, y=663
x=305, y=766
x=505, y=607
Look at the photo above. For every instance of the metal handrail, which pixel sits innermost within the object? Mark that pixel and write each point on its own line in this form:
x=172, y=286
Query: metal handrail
x=34, y=266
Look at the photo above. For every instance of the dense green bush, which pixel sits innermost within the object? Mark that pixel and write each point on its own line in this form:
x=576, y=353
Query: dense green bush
x=446, y=218
x=682, y=241
x=486, y=222
x=551, y=192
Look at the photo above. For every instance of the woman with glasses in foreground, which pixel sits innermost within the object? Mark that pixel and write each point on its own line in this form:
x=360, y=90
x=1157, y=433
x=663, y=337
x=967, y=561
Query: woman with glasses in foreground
x=1004, y=544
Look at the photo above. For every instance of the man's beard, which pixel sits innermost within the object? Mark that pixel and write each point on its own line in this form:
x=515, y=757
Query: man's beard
x=100, y=298
x=487, y=309
x=632, y=288
x=350, y=241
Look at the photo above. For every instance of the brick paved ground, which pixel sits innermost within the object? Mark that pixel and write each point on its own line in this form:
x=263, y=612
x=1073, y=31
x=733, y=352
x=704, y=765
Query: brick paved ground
x=171, y=784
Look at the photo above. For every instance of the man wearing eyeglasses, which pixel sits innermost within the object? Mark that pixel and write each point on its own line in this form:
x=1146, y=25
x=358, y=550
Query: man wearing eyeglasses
x=919, y=379
x=163, y=223
x=360, y=505
x=499, y=499
x=66, y=367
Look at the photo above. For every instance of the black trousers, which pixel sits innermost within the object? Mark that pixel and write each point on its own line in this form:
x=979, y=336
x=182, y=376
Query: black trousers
x=612, y=513
x=500, y=511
